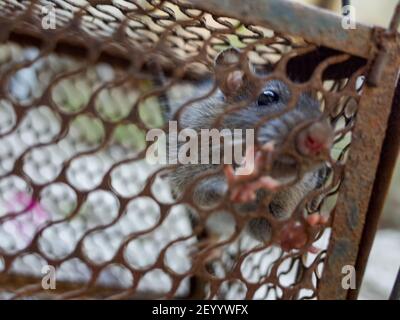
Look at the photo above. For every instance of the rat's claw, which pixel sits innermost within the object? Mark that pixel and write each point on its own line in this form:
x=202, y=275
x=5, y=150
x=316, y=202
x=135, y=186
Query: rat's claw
x=229, y=173
x=315, y=220
x=267, y=183
x=246, y=192
x=242, y=188
x=239, y=191
x=242, y=194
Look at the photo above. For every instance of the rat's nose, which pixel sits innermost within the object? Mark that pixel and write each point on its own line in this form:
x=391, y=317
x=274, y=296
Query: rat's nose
x=315, y=139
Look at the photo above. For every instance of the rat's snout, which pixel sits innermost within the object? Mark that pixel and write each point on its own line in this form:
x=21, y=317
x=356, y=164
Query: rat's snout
x=315, y=139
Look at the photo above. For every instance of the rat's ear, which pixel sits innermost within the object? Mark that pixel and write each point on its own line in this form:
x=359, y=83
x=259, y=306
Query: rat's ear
x=228, y=73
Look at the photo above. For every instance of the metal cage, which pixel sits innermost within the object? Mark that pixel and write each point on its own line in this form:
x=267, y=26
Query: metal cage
x=81, y=84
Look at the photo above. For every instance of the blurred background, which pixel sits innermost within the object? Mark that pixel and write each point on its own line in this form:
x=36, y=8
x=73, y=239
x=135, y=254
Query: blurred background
x=384, y=260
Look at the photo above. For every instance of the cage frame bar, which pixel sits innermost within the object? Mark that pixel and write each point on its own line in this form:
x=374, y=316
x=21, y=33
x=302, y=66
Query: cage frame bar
x=319, y=26
x=363, y=192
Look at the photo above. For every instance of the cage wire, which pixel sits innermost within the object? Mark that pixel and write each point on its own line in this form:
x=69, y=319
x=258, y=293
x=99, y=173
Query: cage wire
x=76, y=190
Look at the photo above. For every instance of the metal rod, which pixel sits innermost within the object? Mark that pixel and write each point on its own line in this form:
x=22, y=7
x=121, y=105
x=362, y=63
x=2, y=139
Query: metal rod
x=394, y=23
x=395, y=294
x=387, y=163
x=363, y=190
x=288, y=17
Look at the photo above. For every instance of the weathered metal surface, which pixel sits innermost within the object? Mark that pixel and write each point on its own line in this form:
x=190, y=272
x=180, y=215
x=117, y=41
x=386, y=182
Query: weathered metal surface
x=387, y=163
x=395, y=22
x=114, y=212
x=318, y=26
x=356, y=191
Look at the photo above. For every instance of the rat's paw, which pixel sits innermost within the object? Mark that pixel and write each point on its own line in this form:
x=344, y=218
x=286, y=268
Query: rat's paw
x=294, y=235
x=243, y=192
x=244, y=183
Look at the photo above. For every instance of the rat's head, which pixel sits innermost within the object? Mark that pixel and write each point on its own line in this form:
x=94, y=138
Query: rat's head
x=301, y=125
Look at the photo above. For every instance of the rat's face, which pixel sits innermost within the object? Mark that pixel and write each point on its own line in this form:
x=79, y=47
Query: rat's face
x=268, y=108
x=297, y=124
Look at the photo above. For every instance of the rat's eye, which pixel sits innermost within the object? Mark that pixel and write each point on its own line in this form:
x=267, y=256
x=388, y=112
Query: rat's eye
x=267, y=97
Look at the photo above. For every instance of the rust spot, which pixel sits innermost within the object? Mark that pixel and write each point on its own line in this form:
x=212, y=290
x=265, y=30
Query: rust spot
x=353, y=216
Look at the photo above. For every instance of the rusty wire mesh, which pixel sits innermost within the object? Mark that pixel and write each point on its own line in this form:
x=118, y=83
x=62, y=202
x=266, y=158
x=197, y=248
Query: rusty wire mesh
x=76, y=191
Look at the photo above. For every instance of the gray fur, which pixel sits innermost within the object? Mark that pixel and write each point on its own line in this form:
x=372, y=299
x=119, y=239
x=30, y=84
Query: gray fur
x=210, y=191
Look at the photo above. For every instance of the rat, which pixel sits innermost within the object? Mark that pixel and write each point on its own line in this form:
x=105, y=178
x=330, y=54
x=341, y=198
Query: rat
x=311, y=143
